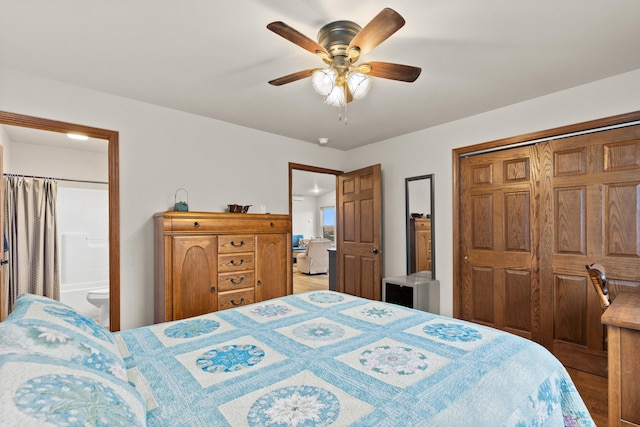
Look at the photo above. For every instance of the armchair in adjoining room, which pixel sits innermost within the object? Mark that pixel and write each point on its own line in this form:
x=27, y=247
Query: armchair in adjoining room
x=315, y=260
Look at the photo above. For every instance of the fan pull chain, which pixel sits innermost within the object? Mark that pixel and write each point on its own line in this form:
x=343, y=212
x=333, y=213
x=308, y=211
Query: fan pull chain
x=345, y=105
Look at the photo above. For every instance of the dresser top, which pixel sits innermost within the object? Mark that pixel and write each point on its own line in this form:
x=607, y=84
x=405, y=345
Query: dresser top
x=624, y=311
x=217, y=215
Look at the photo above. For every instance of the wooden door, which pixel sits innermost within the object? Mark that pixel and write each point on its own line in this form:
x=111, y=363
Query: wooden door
x=499, y=285
x=594, y=218
x=359, y=233
x=273, y=266
x=531, y=219
x=194, y=275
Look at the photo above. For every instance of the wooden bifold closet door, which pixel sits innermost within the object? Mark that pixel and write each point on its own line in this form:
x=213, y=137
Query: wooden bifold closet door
x=530, y=219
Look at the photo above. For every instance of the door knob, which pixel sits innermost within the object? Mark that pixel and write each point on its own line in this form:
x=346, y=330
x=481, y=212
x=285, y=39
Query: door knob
x=375, y=251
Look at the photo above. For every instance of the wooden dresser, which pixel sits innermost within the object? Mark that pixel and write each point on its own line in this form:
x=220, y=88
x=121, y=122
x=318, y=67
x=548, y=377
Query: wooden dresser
x=623, y=328
x=420, y=241
x=207, y=261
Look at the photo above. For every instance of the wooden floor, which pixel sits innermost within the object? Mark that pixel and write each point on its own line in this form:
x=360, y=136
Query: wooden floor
x=305, y=282
x=592, y=388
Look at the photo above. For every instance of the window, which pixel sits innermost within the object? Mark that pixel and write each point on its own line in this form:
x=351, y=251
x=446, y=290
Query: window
x=328, y=214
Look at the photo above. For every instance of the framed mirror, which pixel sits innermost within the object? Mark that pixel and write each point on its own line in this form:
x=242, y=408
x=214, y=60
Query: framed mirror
x=419, y=201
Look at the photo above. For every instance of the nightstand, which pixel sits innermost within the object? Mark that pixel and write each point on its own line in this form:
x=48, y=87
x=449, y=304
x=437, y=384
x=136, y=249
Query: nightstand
x=413, y=291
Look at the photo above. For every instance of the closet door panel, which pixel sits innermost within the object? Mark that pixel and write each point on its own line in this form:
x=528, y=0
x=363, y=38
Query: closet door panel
x=571, y=305
x=596, y=187
x=622, y=215
x=518, y=294
x=583, y=198
x=497, y=241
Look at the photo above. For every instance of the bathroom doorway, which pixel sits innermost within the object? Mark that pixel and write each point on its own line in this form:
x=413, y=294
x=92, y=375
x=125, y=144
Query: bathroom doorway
x=107, y=184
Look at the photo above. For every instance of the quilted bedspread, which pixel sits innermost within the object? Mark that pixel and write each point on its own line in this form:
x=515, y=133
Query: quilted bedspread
x=326, y=358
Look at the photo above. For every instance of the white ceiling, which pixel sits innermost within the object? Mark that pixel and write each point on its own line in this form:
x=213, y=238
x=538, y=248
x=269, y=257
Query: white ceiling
x=22, y=135
x=312, y=184
x=214, y=58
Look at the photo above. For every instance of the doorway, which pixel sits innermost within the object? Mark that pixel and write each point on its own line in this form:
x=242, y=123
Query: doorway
x=111, y=137
x=312, y=200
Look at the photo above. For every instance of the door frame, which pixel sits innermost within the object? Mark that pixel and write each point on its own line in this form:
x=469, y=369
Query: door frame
x=502, y=144
x=307, y=168
x=13, y=119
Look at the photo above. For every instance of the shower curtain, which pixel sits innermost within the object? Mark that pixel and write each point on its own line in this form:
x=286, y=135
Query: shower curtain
x=30, y=230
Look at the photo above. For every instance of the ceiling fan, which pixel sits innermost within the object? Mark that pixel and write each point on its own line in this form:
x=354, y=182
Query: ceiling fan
x=340, y=45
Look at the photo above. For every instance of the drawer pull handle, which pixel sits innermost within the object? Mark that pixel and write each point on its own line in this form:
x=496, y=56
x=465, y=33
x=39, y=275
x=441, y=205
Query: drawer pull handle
x=233, y=262
x=259, y=282
x=196, y=224
x=234, y=244
x=237, y=282
x=237, y=303
x=272, y=225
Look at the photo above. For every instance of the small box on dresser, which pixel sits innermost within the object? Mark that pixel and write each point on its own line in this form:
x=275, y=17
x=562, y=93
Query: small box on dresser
x=209, y=261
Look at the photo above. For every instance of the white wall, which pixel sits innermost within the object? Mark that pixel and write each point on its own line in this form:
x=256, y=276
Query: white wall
x=304, y=217
x=430, y=151
x=5, y=142
x=162, y=150
x=39, y=160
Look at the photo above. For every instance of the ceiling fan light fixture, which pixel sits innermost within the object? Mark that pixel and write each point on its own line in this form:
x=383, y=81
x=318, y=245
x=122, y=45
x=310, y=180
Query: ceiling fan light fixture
x=359, y=84
x=323, y=81
x=336, y=98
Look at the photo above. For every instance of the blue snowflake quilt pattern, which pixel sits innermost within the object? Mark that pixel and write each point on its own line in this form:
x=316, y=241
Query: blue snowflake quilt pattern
x=325, y=358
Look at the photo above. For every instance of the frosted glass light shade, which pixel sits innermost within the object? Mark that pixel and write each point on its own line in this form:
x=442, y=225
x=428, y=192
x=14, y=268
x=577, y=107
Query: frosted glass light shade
x=336, y=97
x=323, y=81
x=359, y=84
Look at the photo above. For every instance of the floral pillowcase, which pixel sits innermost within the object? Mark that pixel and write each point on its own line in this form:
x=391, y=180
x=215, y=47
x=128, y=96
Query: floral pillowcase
x=39, y=325
x=60, y=367
x=40, y=390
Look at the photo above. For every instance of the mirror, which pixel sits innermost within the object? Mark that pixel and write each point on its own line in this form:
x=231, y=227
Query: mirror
x=419, y=200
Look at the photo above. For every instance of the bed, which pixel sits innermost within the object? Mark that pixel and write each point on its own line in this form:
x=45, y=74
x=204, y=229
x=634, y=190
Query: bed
x=314, y=359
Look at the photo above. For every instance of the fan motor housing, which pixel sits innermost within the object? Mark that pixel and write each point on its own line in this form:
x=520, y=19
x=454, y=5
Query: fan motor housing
x=336, y=36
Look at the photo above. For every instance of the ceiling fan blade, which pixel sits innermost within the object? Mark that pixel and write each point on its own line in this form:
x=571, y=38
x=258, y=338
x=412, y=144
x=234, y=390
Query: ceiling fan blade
x=387, y=70
x=293, y=77
x=380, y=28
x=294, y=36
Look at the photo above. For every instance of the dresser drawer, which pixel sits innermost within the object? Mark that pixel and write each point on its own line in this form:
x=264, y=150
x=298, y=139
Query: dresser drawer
x=199, y=225
x=423, y=225
x=235, y=298
x=235, y=262
x=233, y=281
x=235, y=243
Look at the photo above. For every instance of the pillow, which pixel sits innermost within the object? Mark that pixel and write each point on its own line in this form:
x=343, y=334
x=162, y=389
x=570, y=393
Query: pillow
x=296, y=239
x=41, y=390
x=43, y=326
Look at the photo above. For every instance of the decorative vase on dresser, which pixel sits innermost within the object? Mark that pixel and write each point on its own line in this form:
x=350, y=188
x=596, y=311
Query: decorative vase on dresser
x=209, y=261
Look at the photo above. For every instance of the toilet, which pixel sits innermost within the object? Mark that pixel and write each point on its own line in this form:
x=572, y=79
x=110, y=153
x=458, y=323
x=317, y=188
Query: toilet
x=100, y=299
